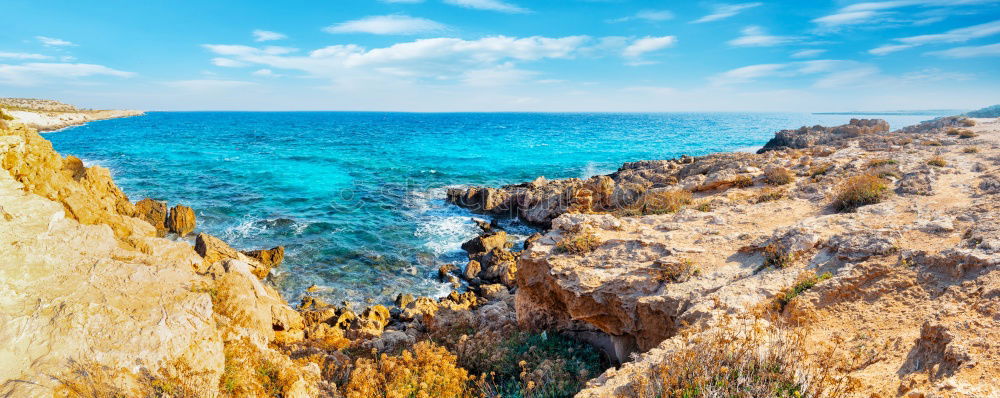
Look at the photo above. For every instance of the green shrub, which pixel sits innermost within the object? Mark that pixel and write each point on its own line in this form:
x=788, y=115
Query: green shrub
x=785, y=297
x=859, y=191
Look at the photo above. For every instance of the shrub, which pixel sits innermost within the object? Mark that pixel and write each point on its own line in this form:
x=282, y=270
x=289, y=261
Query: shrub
x=578, y=243
x=676, y=271
x=967, y=134
x=750, y=359
x=786, y=296
x=937, y=161
x=539, y=365
x=819, y=170
x=777, y=257
x=705, y=206
x=778, y=176
x=952, y=131
x=428, y=371
x=859, y=191
x=874, y=163
x=966, y=122
x=769, y=195
x=932, y=143
x=970, y=149
x=742, y=181
x=658, y=202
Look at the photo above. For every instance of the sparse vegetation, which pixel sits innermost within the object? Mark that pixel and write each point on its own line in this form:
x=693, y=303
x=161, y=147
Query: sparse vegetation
x=965, y=134
x=742, y=181
x=937, y=161
x=705, y=206
x=769, y=195
x=819, y=170
x=785, y=297
x=952, y=131
x=859, y=191
x=932, y=143
x=676, y=271
x=879, y=162
x=428, y=370
x=578, y=243
x=777, y=257
x=970, y=149
x=778, y=176
x=657, y=202
x=966, y=122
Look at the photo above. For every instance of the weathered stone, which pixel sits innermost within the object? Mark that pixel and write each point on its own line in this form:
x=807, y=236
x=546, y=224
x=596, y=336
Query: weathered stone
x=213, y=249
x=154, y=212
x=181, y=220
x=267, y=259
x=472, y=270
x=486, y=242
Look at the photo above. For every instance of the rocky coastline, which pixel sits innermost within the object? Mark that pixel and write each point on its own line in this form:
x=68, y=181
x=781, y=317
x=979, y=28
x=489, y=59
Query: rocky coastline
x=854, y=260
x=49, y=115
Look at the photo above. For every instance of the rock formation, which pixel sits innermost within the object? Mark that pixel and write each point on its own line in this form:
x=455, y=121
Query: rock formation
x=181, y=220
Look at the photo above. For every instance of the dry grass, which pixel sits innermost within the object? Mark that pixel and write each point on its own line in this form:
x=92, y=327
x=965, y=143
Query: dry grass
x=879, y=162
x=970, y=149
x=742, y=181
x=965, y=134
x=675, y=271
x=769, y=195
x=778, y=176
x=859, y=191
x=932, y=143
x=89, y=379
x=580, y=242
x=937, y=161
x=427, y=371
x=966, y=122
x=705, y=206
x=818, y=170
x=953, y=131
x=657, y=202
x=743, y=359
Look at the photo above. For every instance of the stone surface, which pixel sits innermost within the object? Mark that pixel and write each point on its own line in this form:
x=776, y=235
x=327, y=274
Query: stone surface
x=181, y=220
x=154, y=212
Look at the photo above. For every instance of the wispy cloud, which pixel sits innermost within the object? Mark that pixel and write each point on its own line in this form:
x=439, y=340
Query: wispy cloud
x=387, y=25
x=989, y=50
x=53, y=42
x=265, y=73
x=23, y=55
x=209, y=84
x=884, y=11
x=648, y=44
x=490, y=5
x=952, y=36
x=37, y=73
x=227, y=63
x=828, y=73
x=755, y=36
x=808, y=53
x=267, y=35
x=646, y=15
x=723, y=11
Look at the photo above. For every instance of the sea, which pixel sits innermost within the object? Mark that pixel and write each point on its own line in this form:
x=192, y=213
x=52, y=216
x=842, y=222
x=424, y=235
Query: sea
x=358, y=198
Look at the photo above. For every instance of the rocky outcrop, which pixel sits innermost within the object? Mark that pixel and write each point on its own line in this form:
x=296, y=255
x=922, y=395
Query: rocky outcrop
x=154, y=212
x=181, y=220
x=49, y=115
x=806, y=137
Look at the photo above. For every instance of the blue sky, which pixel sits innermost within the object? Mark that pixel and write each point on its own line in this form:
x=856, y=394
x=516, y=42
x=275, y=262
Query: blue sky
x=504, y=55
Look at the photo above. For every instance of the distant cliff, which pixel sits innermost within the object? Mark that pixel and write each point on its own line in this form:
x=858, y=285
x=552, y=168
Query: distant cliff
x=49, y=115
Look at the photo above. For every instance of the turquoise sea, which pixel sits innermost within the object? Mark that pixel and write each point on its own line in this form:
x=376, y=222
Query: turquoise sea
x=357, y=197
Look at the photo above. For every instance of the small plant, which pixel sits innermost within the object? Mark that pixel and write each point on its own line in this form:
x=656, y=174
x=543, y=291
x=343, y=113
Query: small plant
x=785, y=297
x=966, y=134
x=705, y=206
x=778, y=176
x=428, y=370
x=578, y=243
x=880, y=162
x=676, y=271
x=818, y=170
x=937, y=161
x=932, y=143
x=966, y=122
x=953, y=131
x=658, y=202
x=777, y=257
x=742, y=181
x=769, y=195
x=970, y=149
x=859, y=191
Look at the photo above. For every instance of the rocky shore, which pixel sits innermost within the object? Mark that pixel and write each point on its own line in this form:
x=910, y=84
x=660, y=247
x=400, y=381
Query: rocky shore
x=842, y=261
x=49, y=115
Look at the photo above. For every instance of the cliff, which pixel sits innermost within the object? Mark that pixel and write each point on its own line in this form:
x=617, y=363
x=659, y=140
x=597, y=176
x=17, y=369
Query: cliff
x=49, y=115
x=857, y=261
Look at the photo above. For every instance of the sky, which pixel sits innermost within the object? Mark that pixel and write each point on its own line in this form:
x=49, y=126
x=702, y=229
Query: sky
x=504, y=55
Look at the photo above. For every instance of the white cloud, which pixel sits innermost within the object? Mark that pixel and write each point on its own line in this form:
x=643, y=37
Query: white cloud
x=209, y=84
x=267, y=35
x=935, y=74
x=648, y=44
x=882, y=11
x=952, y=36
x=23, y=55
x=387, y=25
x=37, y=73
x=829, y=73
x=501, y=75
x=647, y=15
x=265, y=73
x=491, y=5
x=808, y=53
x=723, y=11
x=227, y=63
x=989, y=50
x=53, y=42
x=755, y=36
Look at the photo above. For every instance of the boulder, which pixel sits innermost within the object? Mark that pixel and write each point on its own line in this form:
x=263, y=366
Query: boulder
x=181, y=220
x=486, y=242
x=472, y=270
x=213, y=249
x=267, y=258
x=154, y=212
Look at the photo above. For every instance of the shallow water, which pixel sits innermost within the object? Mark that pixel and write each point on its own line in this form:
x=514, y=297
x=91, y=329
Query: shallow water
x=357, y=198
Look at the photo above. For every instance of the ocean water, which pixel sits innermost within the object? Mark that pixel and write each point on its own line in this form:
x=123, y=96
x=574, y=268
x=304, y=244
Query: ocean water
x=357, y=198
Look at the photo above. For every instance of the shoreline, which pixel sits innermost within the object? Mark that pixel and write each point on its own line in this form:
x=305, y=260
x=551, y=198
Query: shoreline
x=629, y=263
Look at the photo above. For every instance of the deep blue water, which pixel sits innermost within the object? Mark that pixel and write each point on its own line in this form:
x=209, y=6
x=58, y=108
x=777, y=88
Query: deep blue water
x=357, y=198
